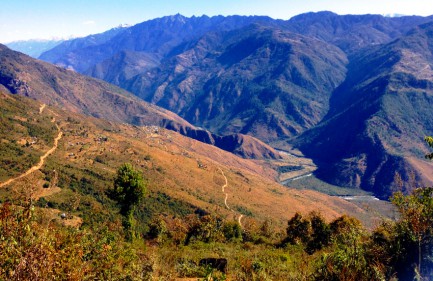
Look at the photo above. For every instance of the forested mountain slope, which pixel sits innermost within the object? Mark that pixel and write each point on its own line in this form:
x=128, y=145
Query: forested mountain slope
x=379, y=117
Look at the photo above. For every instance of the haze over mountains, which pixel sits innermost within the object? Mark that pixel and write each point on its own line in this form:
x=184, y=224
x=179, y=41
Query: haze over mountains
x=33, y=48
x=353, y=92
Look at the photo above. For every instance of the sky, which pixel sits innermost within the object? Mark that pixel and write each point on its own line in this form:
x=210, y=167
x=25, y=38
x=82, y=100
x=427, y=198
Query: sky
x=47, y=19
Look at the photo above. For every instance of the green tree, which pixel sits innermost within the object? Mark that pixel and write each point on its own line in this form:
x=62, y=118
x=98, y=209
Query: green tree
x=129, y=189
x=320, y=233
x=158, y=230
x=416, y=222
x=348, y=258
x=313, y=232
x=206, y=229
x=232, y=231
x=298, y=230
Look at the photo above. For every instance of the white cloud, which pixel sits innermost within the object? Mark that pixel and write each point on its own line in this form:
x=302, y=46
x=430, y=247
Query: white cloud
x=88, y=22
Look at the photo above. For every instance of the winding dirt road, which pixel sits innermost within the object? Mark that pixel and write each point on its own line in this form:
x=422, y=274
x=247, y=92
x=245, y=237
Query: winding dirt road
x=41, y=161
x=223, y=190
x=227, y=195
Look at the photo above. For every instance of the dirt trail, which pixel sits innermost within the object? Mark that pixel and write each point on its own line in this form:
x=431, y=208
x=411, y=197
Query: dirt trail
x=227, y=195
x=41, y=109
x=240, y=220
x=41, y=161
x=223, y=190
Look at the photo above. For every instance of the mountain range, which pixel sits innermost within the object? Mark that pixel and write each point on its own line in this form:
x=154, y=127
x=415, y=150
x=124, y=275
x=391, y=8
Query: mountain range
x=352, y=92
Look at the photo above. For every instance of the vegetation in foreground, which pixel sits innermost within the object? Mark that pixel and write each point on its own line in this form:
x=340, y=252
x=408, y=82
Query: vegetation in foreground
x=33, y=247
x=163, y=238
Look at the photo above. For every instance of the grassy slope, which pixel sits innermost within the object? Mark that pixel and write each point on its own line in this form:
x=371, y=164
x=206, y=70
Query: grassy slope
x=23, y=138
x=182, y=174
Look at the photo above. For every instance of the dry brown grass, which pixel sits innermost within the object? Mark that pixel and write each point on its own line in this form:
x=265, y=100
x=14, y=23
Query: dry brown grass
x=425, y=168
x=184, y=169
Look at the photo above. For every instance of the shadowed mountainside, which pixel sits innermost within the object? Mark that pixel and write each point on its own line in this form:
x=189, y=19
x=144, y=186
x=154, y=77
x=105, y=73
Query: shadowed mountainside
x=259, y=81
x=378, y=118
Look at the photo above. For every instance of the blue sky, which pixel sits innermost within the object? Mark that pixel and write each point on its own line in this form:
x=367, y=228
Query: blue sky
x=26, y=19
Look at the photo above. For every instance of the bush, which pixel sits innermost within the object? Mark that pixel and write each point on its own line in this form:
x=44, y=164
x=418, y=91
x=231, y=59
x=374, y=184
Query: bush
x=32, y=249
x=232, y=231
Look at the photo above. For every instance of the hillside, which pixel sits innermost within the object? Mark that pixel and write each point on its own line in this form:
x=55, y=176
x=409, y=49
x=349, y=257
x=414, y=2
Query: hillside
x=71, y=91
x=186, y=173
x=196, y=193
x=75, y=92
x=378, y=118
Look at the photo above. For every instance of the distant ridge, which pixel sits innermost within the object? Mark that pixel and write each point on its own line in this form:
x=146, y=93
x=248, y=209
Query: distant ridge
x=34, y=47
